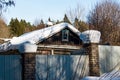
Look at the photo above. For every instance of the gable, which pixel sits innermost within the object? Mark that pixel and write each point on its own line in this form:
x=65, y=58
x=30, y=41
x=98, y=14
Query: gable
x=73, y=39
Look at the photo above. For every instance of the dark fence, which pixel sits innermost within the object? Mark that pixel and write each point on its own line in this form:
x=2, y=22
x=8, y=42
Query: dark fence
x=10, y=67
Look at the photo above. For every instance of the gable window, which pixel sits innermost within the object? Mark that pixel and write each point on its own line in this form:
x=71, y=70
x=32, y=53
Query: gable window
x=65, y=35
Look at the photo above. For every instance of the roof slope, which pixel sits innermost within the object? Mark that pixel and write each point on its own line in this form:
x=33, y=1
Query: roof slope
x=36, y=36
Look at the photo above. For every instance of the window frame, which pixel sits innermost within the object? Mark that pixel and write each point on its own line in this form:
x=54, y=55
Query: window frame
x=65, y=35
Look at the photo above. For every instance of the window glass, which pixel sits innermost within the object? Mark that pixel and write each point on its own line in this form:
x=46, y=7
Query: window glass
x=65, y=35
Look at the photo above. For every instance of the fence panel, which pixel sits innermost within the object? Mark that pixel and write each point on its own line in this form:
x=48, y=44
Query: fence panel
x=109, y=58
x=10, y=67
x=61, y=67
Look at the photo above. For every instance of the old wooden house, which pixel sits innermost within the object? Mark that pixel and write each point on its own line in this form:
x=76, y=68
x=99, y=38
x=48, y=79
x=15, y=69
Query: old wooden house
x=61, y=38
x=63, y=41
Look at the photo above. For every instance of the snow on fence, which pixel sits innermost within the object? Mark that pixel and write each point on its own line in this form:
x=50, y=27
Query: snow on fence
x=109, y=58
x=10, y=67
x=61, y=67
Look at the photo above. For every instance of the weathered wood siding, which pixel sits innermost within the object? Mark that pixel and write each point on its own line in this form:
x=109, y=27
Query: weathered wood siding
x=109, y=58
x=10, y=67
x=57, y=49
x=61, y=67
x=57, y=39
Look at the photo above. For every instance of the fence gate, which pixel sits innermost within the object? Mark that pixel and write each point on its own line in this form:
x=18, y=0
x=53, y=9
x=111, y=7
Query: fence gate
x=61, y=67
x=10, y=67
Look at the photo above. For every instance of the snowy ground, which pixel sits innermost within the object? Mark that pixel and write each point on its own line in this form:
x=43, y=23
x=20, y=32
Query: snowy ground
x=113, y=75
x=91, y=78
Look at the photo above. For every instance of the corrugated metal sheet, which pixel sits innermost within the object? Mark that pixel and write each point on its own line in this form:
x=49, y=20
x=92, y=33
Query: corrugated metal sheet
x=10, y=67
x=109, y=58
x=61, y=67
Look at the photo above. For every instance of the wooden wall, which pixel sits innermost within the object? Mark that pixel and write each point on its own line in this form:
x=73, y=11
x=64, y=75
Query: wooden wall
x=57, y=39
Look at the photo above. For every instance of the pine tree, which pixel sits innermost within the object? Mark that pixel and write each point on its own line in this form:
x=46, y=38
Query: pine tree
x=49, y=19
x=57, y=22
x=13, y=26
x=40, y=25
x=17, y=28
x=76, y=23
x=83, y=26
x=28, y=27
x=23, y=25
x=65, y=19
x=41, y=22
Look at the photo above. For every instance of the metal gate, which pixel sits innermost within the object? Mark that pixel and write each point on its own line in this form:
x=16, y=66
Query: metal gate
x=61, y=67
x=10, y=67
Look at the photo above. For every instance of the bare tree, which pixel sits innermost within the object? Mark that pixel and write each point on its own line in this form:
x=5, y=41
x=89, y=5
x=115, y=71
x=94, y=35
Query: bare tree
x=75, y=13
x=105, y=18
x=115, y=37
x=4, y=4
x=4, y=30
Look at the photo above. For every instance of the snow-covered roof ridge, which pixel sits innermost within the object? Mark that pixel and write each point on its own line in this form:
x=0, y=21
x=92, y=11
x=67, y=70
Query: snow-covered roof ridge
x=36, y=36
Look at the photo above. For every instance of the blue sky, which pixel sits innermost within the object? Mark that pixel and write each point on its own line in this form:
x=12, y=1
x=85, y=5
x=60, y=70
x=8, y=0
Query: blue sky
x=32, y=10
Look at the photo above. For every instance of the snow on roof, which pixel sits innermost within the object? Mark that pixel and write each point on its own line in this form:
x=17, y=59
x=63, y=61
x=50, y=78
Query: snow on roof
x=92, y=36
x=49, y=23
x=36, y=36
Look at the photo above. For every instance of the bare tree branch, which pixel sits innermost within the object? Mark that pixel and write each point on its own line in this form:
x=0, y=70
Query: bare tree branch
x=106, y=18
x=4, y=4
x=75, y=13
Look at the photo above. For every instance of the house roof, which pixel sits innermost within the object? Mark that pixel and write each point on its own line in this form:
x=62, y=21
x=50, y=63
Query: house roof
x=36, y=36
